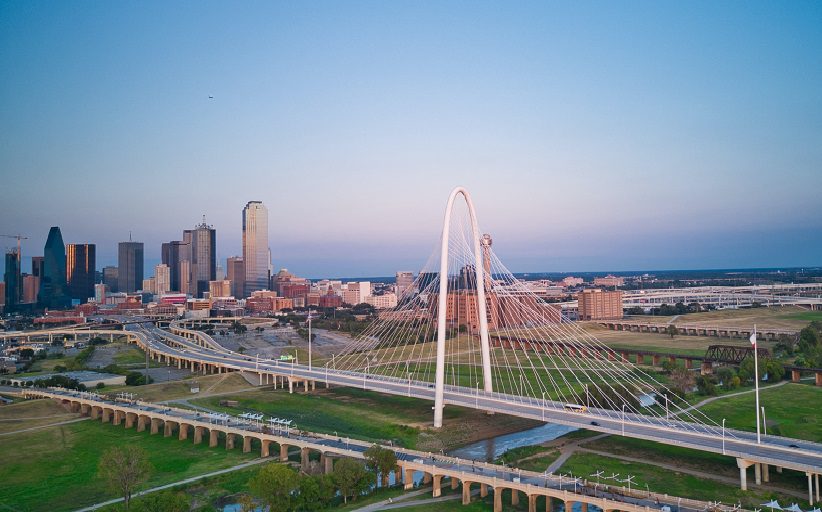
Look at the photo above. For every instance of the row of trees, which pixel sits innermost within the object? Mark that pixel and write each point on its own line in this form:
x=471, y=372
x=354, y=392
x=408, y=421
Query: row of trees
x=125, y=468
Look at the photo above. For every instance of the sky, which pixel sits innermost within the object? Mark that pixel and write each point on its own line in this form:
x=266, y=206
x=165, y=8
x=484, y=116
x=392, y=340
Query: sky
x=591, y=135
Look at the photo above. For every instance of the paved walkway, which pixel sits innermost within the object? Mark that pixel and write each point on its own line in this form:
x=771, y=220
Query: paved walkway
x=397, y=502
x=713, y=398
x=175, y=484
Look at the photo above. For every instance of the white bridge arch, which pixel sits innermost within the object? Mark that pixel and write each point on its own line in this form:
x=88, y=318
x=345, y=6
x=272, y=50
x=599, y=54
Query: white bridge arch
x=443, y=303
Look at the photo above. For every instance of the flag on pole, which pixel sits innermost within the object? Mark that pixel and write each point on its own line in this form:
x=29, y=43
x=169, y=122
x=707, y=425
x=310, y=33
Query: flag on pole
x=753, y=338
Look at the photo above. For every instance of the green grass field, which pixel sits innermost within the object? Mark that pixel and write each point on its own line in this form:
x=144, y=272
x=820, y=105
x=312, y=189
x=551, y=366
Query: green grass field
x=55, y=469
x=349, y=412
x=792, y=410
x=664, y=480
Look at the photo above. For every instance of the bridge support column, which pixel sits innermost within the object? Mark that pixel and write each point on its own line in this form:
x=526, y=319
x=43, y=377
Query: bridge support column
x=437, y=486
x=483, y=490
x=305, y=383
x=118, y=418
x=198, y=434
x=454, y=483
x=141, y=423
x=743, y=473
x=304, y=452
x=246, y=444
x=183, y=434
x=290, y=386
x=810, y=488
x=106, y=415
x=130, y=416
x=168, y=428
x=795, y=375
x=328, y=464
x=498, y=499
x=466, y=493
x=409, y=479
x=84, y=409
x=155, y=425
x=766, y=477
x=532, y=503
x=229, y=441
x=514, y=497
x=212, y=438
x=758, y=473
x=549, y=504
x=265, y=448
x=818, y=379
x=689, y=363
x=584, y=506
x=283, y=453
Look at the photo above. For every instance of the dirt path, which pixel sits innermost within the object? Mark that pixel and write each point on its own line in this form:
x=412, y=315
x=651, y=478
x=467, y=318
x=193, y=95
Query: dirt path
x=714, y=398
x=399, y=501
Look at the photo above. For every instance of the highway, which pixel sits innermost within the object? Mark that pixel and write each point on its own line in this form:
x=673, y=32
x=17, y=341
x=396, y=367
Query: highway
x=794, y=454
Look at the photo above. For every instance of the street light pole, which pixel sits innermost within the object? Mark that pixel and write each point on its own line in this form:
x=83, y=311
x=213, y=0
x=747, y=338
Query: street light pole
x=723, y=436
x=756, y=382
x=623, y=419
x=764, y=423
x=543, y=406
x=309, y=338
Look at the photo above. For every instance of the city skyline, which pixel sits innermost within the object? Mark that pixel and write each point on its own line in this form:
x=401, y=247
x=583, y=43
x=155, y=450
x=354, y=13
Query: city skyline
x=593, y=137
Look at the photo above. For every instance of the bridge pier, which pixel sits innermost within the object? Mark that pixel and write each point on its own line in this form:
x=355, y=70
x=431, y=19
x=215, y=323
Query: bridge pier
x=155, y=425
x=466, y=493
x=130, y=417
x=229, y=441
x=106, y=415
x=141, y=423
x=758, y=473
x=246, y=444
x=183, y=434
x=304, y=458
x=795, y=375
x=212, y=438
x=118, y=417
x=514, y=497
x=198, y=434
x=168, y=428
x=498, y=499
x=265, y=448
x=328, y=464
x=766, y=477
x=454, y=483
x=549, y=504
x=437, y=486
x=283, y=453
x=743, y=473
x=409, y=479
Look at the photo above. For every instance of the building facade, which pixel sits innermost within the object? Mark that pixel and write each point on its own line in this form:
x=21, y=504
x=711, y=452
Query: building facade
x=203, y=250
x=170, y=256
x=162, y=277
x=80, y=267
x=13, y=279
x=404, y=282
x=255, y=246
x=53, y=287
x=235, y=272
x=597, y=304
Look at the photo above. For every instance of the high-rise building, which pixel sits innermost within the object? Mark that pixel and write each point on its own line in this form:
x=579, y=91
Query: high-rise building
x=111, y=279
x=162, y=276
x=596, y=304
x=31, y=288
x=255, y=247
x=219, y=288
x=171, y=256
x=203, y=240
x=37, y=266
x=130, y=266
x=53, y=288
x=185, y=277
x=235, y=268
x=100, y=292
x=13, y=279
x=80, y=267
x=149, y=285
x=404, y=281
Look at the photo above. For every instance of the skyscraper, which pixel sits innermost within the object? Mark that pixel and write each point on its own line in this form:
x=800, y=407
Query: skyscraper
x=203, y=240
x=255, y=246
x=162, y=277
x=37, y=266
x=80, y=267
x=111, y=278
x=13, y=279
x=53, y=289
x=404, y=282
x=130, y=266
x=171, y=255
x=235, y=268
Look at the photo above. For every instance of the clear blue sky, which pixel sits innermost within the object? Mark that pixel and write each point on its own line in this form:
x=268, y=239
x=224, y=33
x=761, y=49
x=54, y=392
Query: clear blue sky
x=593, y=135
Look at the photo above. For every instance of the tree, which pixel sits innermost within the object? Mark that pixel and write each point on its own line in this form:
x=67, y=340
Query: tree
x=381, y=461
x=351, y=478
x=124, y=468
x=167, y=501
x=137, y=379
x=275, y=484
x=672, y=331
x=706, y=385
x=241, y=349
x=682, y=380
x=668, y=366
x=315, y=493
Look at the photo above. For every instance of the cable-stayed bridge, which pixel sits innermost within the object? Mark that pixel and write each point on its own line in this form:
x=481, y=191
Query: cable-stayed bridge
x=467, y=333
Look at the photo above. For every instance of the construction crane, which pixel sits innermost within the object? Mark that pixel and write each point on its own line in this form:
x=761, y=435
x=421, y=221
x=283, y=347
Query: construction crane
x=18, y=237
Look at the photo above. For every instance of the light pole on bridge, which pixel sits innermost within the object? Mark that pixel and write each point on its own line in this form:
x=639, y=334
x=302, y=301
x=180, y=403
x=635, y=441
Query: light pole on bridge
x=723, y=436
x=623, y=419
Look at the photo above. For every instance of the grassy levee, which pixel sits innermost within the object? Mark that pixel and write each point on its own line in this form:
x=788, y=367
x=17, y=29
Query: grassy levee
x=667, y=481
x=55, y=469
x=371, y=416
x=785, y=317
x=792, y=410
x=209, y=384
x=23, y=415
